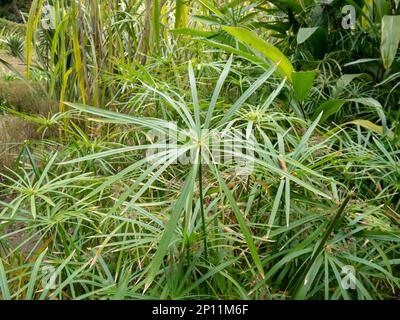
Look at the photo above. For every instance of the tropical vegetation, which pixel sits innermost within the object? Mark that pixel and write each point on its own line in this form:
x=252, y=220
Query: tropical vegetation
x=111, y=189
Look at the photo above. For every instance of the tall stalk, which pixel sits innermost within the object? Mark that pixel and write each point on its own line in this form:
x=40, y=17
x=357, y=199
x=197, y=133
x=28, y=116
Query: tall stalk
x=203, y=218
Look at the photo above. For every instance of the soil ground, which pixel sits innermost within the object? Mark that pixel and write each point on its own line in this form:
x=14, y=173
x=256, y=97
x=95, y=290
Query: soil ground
x=15, y=93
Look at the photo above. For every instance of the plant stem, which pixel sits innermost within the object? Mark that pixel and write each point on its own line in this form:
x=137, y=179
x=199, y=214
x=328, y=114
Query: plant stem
x=203, y=218
x=335, y=221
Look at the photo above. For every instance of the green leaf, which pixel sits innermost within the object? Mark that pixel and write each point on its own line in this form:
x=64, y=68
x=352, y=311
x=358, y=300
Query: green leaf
x=243, y=226
x=360, y=61
x=247, y=94
x=309, y=279
x=169, y=230
x=370, y=102
x=211, y=7
x=301, y=289
x=32, y=24
x=390, y=39
x=272, y=53
x=345, y=79
x=316, y=37
x=369, y=126
x=195, y=98
x=5, y=292
x=156, y=23
x=206, y=20
x=275, y=207
x=217, y=91
x=56, y=274
x=295, y=5
x=302, y=83
x=304, y=34
x=379, y=235
x=303, y=142
x=329, y=108
x=245, y=55
x=180, y=13
x=209, y=274
x=194, y=32
x=33, y=279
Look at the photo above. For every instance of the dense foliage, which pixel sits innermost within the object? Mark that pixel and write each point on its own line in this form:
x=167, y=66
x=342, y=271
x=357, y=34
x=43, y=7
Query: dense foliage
x=13, y=9
x=124, y=196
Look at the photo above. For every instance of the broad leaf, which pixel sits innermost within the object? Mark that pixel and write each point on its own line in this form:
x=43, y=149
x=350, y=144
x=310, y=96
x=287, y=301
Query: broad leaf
x=390, y=39
x=302, y=83
x=304, y=34
x=271, y=52
x=369, y=126
x=329, y=108
x=194, y=32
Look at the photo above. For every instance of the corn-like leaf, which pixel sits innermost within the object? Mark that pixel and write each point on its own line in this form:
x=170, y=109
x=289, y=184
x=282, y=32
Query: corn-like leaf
x=390, y=39
x=272, y=53
x=302, y=83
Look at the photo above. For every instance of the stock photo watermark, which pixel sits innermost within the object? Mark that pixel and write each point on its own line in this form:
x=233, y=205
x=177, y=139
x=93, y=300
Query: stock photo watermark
x=48, y=21
x=49, y=277
x=349, y=18
x=348, y=281
x=48, y=17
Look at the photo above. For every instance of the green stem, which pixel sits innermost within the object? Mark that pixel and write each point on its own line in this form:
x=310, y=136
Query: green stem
x=203, y=218
x=335, y=222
